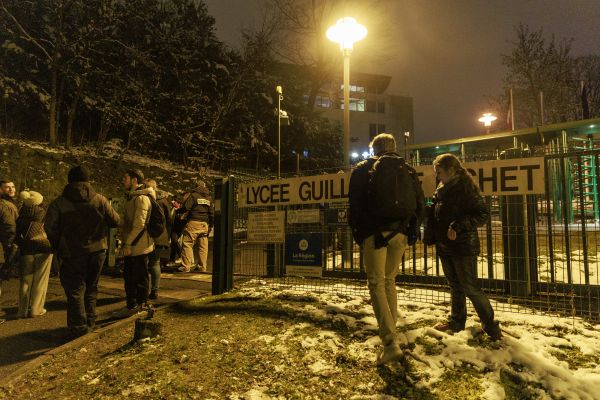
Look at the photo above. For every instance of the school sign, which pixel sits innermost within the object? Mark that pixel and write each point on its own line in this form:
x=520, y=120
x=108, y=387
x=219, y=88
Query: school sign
x=495, y=178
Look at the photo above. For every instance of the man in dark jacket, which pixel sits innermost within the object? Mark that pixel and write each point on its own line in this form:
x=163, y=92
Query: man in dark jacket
x=77, y=225
x=383, y=238
x=8, y=217
x=200, y=214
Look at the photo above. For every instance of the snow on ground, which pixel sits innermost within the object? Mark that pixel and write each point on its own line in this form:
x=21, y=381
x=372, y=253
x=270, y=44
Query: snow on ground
x=535, y=348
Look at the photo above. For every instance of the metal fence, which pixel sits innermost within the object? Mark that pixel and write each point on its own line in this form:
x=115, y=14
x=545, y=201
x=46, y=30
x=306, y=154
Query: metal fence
x=539, y=253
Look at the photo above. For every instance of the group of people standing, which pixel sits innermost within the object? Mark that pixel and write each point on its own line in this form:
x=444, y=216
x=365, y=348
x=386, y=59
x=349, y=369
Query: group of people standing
x=74, y=228
x=452, y=219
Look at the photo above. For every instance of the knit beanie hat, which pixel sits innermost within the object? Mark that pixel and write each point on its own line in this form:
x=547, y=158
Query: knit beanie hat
x=79, y=173
x=31, y=198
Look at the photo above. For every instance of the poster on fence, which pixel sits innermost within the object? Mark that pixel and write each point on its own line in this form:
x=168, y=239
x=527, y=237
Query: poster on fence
x=266, y=227
x=304, y=254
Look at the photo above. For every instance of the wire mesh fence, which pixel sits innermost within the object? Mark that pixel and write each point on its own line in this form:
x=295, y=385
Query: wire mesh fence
x=538, y=252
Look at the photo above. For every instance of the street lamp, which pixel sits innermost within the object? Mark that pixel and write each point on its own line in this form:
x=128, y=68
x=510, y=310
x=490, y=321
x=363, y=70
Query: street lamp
x=281, y=115
x=487, y=120
x=345, y=32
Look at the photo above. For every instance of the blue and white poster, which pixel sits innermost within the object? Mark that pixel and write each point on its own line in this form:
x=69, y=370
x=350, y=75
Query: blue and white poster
x=304, y=254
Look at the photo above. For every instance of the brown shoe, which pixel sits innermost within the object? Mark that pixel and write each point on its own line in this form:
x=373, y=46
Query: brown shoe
x=446, y=327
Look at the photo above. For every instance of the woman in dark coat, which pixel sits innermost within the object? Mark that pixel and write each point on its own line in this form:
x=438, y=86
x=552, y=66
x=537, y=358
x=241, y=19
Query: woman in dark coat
x=458, y=209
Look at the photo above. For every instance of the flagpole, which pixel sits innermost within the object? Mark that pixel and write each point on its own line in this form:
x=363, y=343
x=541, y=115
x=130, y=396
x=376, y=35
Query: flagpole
x=512, y=111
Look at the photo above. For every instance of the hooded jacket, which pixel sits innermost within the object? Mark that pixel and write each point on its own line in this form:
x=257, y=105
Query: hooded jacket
x=136, y=213
x=76, y=222
x=31, y=237
x=458, y=204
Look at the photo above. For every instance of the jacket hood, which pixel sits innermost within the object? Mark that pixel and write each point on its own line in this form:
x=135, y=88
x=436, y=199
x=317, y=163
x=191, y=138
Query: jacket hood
x=79, y=192
x=142, y=190
x=31, y=198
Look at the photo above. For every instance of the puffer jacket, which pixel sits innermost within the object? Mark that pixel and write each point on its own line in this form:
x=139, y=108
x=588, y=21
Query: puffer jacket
x=136, y=213
x=458, y=204
x=31, y=237
x=77, y=222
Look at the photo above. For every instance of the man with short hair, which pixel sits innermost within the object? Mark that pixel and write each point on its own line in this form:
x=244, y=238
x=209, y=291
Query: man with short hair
x=8, y=227
x=200, y=216
x=77, y=225
x=8, y=190
x=381, y=231
x=137, y=242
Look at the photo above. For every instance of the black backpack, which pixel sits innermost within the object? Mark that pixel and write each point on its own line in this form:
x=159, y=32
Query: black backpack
x=391, y=192
x=156, y=224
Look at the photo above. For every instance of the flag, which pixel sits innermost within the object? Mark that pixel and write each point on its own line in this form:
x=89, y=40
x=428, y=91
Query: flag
x=585, y=107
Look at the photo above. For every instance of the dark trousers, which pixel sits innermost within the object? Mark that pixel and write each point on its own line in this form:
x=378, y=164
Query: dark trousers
x=79, y=278
x=175, y=247
x=135, y=272
x=461, y=272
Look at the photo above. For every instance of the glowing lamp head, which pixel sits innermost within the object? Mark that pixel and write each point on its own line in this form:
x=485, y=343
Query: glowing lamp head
x=345, y=32
x=354, y=155
x=487, y=119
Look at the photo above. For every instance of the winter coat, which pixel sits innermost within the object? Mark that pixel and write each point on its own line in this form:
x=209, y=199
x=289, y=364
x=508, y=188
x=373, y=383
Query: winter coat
x=198, y=205
x=31, y=237
x=164, y=203
x=362, y=222
x=136, y=213
x=458, y=204
x=76, y=222
x=8, y=217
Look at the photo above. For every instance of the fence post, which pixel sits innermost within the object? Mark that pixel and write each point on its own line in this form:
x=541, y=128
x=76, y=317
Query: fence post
x=222, y=276
x=518, y=239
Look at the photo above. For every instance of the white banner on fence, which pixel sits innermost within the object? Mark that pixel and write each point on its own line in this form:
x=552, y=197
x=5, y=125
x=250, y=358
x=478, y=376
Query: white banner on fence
x=266, y=227
x=495, y=177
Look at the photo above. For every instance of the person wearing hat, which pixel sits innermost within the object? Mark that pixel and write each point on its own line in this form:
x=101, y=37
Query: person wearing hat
x=36, y=255
x=77, y=225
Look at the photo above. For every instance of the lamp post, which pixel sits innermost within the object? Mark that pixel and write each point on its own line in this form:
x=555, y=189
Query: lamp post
x=345, y=32
x=487, y=120
x=279, y=98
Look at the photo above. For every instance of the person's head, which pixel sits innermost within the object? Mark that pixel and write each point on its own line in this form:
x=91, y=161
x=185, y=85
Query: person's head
x=79, y=173
x=383, y=143
x=447, y=166
x=149, y=182
x=132, y=179
x=7, y=188
x=200, y=183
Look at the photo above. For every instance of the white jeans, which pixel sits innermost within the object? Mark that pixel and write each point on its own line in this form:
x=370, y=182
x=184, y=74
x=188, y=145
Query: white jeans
x=382, y=267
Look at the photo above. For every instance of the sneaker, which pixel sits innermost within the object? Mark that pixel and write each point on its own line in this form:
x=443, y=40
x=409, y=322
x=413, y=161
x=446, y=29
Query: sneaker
x=390, y=352
x=153, y=294
x=183, y=269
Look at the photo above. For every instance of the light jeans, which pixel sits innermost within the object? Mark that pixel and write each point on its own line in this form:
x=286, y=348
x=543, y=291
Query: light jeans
x=195, y=232
x=382, y=267
x=33, y=274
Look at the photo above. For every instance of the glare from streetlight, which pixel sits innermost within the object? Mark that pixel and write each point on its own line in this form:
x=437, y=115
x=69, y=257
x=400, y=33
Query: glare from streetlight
x=354, y=155
x=345, y=32
x=365, y=154
x=487, y=119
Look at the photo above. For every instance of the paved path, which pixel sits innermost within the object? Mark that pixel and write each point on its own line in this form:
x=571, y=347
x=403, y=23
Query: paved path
x=22, y=340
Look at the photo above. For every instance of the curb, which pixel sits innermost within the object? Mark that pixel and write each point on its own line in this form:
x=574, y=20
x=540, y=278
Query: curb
x=80, y=341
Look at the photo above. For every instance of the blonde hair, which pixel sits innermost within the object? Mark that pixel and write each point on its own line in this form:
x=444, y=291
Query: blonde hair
x=383, y=143
x=151, y=183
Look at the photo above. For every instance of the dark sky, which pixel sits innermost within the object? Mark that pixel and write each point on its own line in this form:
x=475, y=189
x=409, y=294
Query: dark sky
x=447, y=54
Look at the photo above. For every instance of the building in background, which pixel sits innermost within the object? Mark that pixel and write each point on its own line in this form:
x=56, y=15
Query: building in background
x=372, y=110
